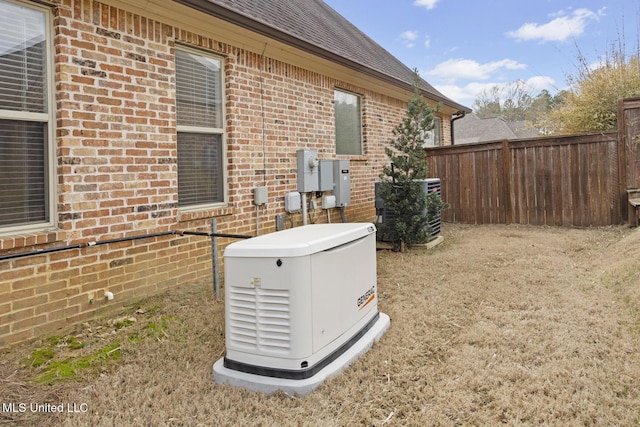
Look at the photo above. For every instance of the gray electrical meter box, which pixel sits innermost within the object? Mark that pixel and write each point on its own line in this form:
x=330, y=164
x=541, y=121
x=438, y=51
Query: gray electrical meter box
x=342, y=182
x=308, y=162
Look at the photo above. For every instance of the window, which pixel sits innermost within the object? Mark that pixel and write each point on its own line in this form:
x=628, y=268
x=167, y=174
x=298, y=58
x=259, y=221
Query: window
x=348, y=123
x=25, y=117
x=200, y=111
x=433, y=136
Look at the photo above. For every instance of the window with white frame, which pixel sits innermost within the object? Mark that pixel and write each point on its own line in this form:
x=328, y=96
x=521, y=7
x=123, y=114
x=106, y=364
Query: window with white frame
x=200, y=126
x=433, y=137
x=26, y=120
x=348, y=123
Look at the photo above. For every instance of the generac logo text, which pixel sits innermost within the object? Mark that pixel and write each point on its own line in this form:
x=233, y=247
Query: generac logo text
x=366, y=298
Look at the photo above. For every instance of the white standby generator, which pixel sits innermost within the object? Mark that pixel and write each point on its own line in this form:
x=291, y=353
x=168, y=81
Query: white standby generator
x=300, y=305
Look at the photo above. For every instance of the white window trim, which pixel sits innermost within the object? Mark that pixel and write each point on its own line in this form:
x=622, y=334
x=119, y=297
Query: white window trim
x=49, y=118
x=210, y=131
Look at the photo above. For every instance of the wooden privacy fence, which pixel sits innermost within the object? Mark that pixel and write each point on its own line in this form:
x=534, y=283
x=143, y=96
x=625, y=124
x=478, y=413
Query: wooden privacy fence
x=577, y=180
x=553, y=181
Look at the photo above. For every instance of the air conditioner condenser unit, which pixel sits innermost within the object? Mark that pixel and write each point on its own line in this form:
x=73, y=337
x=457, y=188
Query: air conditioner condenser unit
x=428, y=185
x=300, y=305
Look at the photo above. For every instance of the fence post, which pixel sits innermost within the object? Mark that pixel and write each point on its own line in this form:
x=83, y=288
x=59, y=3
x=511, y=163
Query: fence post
x=214, y=259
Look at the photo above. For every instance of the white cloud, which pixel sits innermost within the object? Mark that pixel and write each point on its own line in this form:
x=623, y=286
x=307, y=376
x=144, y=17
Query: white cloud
x=472, y=70
x=560, y=28
x=427, y=42
x=408, y=38
x=429, y=4
x=468, y=93
x=537, y=83
x=464, y=95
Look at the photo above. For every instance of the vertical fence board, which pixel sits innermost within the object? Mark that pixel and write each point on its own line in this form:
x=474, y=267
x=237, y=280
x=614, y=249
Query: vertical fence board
x=566, y=198
x=505, y=180
x=548, y=184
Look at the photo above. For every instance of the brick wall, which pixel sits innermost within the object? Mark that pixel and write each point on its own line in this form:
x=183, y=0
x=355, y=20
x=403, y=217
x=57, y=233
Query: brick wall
x=117, y=169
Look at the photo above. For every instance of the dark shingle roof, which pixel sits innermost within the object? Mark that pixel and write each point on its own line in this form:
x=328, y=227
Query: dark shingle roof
x=472, y=128
x=314, y=26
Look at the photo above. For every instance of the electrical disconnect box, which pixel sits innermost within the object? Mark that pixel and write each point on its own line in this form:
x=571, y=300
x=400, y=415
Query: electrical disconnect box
x=260, y=195
x=308, y=166
x=325, y=175
x=328, y=202
x=292, y=202
x=342, y=182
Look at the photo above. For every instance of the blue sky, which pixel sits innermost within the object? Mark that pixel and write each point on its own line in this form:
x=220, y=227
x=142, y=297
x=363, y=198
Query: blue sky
x=463, y=47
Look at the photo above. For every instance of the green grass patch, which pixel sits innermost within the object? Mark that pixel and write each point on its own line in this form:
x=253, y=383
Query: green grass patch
x=68, y=369
x=123, y=324
x=54, y=362
x=39, y=357
x=55, y=340
x=70, y=341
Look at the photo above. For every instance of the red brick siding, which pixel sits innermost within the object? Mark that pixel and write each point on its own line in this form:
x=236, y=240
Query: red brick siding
x=117, y=170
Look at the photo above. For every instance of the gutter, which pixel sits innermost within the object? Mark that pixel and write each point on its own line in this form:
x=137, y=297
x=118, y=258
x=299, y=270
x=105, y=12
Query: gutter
x=459, y=114
x=251, y=24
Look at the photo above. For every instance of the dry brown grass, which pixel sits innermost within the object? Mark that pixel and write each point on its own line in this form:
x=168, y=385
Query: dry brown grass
x=498, y=325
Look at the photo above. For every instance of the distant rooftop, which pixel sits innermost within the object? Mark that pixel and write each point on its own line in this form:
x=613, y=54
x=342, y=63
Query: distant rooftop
x=472, y=128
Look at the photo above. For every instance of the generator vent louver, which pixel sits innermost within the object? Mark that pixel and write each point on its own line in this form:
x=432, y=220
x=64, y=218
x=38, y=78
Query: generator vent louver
x=260, y=320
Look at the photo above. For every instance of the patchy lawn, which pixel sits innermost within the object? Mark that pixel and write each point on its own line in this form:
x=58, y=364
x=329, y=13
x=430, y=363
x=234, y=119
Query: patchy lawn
x=497, y=325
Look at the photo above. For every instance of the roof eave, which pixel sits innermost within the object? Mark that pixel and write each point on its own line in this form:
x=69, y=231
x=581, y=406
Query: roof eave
x=280, y=36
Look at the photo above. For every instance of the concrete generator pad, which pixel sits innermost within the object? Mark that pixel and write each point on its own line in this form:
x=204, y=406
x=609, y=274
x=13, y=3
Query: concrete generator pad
x=270, y=385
